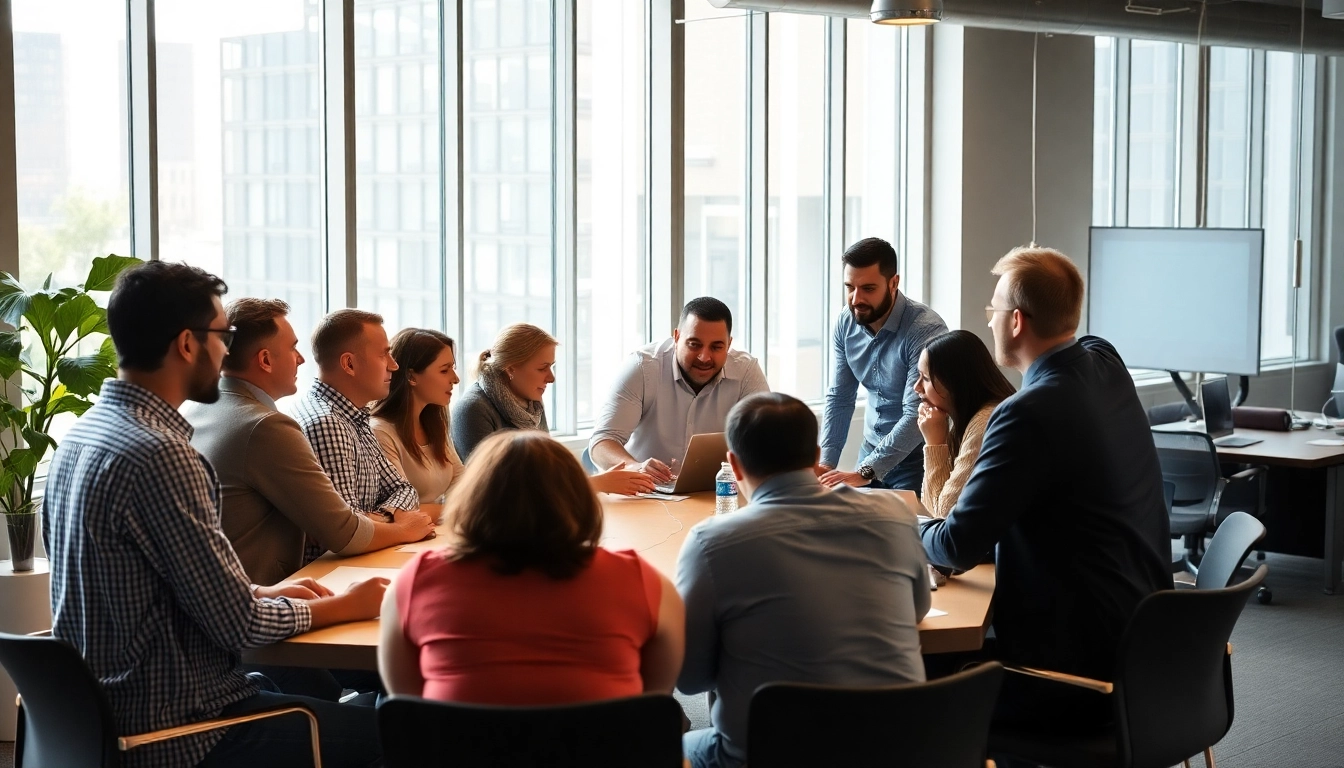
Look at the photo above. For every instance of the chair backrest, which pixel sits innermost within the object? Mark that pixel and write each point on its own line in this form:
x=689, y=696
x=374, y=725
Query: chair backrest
x=640, y=730
x=1190, y=462
x=1232, y=542
x=1334, y=407
x=66, y=719
x=939, y=724
x=1173, y=676
x=1167, y=413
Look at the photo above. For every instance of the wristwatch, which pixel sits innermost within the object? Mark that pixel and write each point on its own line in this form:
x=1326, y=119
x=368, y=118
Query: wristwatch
x=866, y=472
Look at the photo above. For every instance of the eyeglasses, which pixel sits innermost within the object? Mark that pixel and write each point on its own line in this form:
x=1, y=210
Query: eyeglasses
x=225, y=334
x=989, y=312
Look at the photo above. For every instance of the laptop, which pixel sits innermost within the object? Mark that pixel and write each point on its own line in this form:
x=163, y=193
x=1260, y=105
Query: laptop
x=1218, y=415
x=705, y=455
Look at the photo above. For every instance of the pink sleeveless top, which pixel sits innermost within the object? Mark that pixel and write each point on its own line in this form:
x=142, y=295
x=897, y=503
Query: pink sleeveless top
x=528, y=639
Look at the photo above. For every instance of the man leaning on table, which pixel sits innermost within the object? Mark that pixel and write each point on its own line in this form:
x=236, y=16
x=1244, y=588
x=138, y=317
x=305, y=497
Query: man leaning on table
x=275, y=495
x=1067, y=488
x=674, y=389
x=144, y=583
x=804, y=584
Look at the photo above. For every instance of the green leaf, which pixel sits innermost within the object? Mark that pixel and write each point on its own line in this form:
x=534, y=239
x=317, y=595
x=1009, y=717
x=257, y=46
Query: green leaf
x=69, y=404
x=11, y=347
x=84, y=375
x=82, y=315
x=7, y=479
x=103, y=273
x=14, y=300
x=21, y=461
x=38, y=441
x=41, y=314
x=46, y=284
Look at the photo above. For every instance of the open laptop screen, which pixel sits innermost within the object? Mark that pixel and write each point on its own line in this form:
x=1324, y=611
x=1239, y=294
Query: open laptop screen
x=1217, y=407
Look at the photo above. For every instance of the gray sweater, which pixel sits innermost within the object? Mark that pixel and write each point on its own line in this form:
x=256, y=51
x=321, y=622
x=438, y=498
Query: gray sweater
x=475, y=418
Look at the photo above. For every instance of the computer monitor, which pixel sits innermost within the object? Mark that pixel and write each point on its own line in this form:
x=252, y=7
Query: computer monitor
x=1178, y=299
x=1217, y=407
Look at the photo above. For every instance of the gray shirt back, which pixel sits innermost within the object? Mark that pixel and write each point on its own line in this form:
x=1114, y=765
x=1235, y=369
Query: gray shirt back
x=804, y=584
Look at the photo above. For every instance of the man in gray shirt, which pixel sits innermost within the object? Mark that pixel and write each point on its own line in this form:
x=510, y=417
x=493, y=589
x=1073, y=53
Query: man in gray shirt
x=674, y=389
x=804, y=584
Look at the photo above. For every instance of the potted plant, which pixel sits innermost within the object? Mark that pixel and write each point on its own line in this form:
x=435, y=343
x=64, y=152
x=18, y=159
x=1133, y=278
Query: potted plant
x=51, y=348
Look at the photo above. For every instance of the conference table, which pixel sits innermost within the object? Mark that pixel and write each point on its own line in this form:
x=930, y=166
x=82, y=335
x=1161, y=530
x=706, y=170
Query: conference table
x=652, y=527
x=1293, y=449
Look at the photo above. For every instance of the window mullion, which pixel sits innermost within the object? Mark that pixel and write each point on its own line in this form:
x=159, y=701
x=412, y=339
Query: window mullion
x=143, y=144
x=755, y=267
x=667, y=167
x=564, y=242
x=833, y=163
x=451, y=235
x=338, y=152
x=9, y=204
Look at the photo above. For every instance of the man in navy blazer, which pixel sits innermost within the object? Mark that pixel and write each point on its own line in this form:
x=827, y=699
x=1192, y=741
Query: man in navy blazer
x=1067, y=486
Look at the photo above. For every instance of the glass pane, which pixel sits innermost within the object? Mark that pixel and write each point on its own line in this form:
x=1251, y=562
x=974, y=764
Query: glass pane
x=1229, y=136
x=1281, y=141
x=715, y=177
x=1103, y=134
x=872, y=146
x=239, y=192
x=795, y=349
x=508, y=173
x=612, y=206
x=70, y=124
x=1154, y=105
x=399, y=252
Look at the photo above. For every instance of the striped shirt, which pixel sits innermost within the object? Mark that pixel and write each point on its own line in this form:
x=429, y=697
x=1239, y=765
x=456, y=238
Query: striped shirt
x=143, y=581
x=349, y=452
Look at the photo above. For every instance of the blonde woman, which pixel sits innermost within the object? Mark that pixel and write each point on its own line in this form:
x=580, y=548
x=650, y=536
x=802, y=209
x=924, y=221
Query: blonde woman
x=511, y=380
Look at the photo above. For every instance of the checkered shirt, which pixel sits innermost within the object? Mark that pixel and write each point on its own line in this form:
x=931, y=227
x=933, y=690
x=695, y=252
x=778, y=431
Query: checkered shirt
x=143, y=581
x=349, y=452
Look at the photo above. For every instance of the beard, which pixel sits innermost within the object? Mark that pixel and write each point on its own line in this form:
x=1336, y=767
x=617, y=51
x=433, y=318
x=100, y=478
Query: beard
x=864, y=314
x=204, y=386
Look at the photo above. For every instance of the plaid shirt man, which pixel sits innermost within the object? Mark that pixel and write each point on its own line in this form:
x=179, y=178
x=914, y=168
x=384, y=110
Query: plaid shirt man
x=144, y=583
x=349, y=452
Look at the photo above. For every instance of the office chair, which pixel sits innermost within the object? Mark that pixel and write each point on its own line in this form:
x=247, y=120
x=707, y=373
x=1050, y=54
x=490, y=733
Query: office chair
x=64, y=716
x=1203, y=497
x=586, y=461
x=1168, y=413
x=1227, y=550
x=1172, y=694
x=639, y=730
x=795, y=725
x=1334, y=406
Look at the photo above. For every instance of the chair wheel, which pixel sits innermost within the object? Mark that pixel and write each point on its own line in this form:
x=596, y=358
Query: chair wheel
x=1264, y=596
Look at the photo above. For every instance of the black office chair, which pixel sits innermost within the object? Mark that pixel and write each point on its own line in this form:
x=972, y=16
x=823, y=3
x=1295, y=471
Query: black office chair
x=1332, y=409
x=640, y=731
x=794, y=725
x=1168, y=413
x=1203, y=497
x=1172, y=694
x=64, y=717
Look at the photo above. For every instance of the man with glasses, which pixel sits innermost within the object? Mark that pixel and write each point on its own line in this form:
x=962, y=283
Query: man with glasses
x=144, y=584
x=1066, y=491
x=876, y=343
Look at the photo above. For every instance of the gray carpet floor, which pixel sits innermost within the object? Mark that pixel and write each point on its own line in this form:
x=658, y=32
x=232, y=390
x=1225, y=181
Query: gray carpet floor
x=1288, y=672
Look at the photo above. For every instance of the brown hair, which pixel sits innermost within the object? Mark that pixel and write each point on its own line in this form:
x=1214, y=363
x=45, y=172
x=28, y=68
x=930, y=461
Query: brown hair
x=514, y=345
x=254, y=321
x=1046, y=286
x=335, y=332
x=415, y=349
x=524, y=502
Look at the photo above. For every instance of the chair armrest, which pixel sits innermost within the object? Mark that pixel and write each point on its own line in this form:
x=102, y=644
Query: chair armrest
x=40, y=633
x=125, y=743
x=1100, y=686
x=1247, y=473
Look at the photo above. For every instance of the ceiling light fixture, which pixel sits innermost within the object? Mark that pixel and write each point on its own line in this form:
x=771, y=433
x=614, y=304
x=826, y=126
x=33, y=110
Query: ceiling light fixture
x=906, y=12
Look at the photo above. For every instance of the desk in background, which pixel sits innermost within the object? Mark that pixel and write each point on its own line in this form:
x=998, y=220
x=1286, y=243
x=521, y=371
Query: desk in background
x=1292, y=450
x=655, y=529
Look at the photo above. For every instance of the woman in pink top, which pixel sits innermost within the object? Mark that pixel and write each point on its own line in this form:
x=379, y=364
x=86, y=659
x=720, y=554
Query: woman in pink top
x=527, y=609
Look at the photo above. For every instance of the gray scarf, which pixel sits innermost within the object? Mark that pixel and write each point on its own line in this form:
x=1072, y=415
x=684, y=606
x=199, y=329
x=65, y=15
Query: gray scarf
x=523, y=416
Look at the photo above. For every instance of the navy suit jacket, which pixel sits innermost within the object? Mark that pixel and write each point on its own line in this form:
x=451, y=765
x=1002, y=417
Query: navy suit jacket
x=1068, y=486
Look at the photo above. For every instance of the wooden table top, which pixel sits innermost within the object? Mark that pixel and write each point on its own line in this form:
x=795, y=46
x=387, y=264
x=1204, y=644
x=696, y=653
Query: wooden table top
x=655, y=529
x=1283, y=449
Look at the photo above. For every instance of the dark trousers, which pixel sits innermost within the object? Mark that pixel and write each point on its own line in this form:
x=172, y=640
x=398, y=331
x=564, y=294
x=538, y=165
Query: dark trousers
x=908, y=475
x=348, y=733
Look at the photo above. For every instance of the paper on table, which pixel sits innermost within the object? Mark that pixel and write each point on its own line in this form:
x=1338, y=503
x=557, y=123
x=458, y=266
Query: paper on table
x=1326, y=441
x=934, y=613
x=662, y=496
x=341, y=577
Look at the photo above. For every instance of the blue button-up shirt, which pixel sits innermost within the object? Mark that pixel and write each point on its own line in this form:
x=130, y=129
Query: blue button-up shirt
x=887, y=364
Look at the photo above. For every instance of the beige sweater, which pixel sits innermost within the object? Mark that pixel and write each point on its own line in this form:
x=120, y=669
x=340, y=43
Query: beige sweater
x=943, y=477
x=431, y=480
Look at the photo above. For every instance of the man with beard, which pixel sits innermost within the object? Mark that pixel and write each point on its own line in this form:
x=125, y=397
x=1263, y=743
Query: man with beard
x=673, y=389
x=143, y=582
x=876, y=343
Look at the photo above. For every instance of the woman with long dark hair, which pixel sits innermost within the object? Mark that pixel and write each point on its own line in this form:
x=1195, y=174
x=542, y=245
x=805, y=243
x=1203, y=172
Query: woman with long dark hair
x=959, y=386
x=411, y=423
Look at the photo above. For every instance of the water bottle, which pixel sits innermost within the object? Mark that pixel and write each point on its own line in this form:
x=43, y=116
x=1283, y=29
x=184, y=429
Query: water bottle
x=725, y=490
